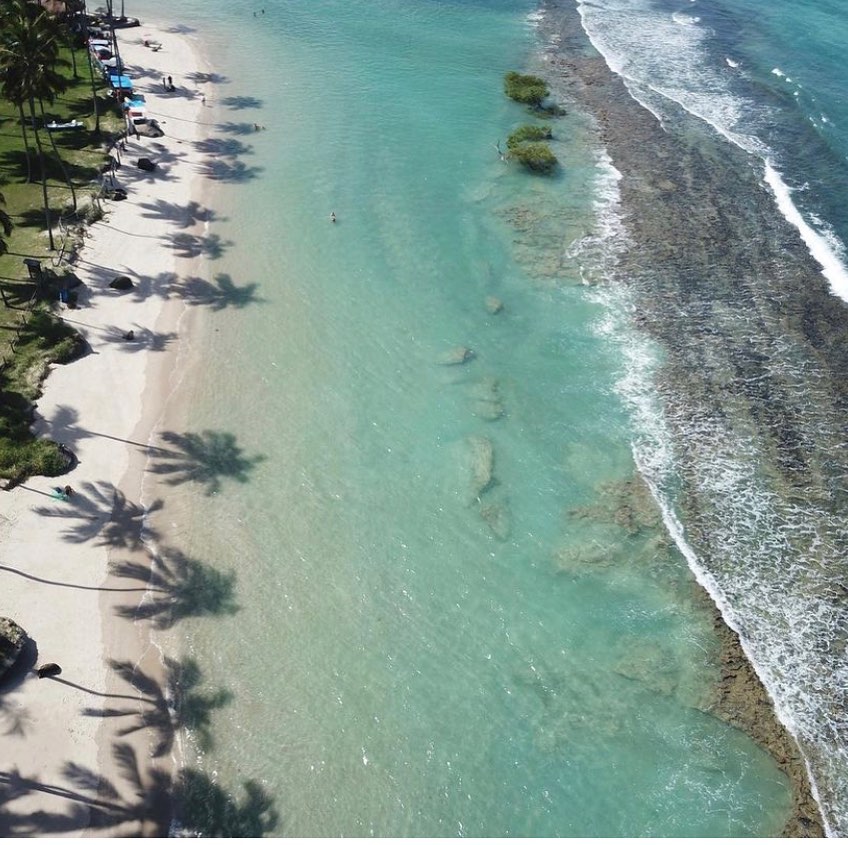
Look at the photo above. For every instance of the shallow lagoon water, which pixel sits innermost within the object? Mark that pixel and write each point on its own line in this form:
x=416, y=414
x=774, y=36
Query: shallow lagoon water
x=457, y=613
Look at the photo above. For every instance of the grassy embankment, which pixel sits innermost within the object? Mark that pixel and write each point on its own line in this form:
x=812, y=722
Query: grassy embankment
x=31, y=338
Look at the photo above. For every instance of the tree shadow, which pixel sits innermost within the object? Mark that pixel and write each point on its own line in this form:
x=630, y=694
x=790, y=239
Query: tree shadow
x=15, y=719
x=178, y=587
x=242, y=102
x=223, y=147
x=143, y=340
x=221, y=170
x=161, y=173
x=232, y=128
x=143, y=798
x=161, y=285
x=67, y=584
x=165, y=709
x=102, y=511
x=225, y=293
x=183, y=216
x=203, y=78
x=208, y=810
x=193, y=246
x=18, y=294
x=204, y=458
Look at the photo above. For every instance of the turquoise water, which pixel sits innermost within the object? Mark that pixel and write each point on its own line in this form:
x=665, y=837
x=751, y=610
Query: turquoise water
x=458, y=613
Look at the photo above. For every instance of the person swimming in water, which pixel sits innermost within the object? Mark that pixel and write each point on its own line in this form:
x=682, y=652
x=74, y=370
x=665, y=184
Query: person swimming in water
x=333, y=217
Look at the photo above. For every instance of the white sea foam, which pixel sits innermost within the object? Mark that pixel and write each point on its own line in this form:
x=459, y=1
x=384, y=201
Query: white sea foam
x=825, y=248
x=731, y=62
x=784, y=623
x=685, y=20
x=662, y=62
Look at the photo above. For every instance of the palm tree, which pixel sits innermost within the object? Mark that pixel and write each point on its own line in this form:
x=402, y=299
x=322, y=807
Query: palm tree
x=65, y=175
x=5, y=225
x=7, y=14
x=29, y=56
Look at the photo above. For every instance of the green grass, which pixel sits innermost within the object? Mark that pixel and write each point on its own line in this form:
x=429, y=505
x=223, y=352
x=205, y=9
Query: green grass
x=45, y=339
x=82, y=153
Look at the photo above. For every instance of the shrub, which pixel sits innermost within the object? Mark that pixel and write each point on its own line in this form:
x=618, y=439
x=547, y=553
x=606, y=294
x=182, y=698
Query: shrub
x=526, y=89
x=43, y=341
x=528, y=133
x=536, y=156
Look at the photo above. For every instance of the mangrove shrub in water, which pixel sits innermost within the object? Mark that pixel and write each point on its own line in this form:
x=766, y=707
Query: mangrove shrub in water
x=527, y=145
x=526, y=89
x=527, y=133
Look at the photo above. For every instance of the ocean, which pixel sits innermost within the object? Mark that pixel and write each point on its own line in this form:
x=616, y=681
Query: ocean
x=445, y=552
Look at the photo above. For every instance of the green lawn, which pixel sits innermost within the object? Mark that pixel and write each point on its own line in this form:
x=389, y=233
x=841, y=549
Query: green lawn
x=45, y=339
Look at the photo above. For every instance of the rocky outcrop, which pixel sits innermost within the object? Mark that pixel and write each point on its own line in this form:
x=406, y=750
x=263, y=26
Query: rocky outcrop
x=12, y=640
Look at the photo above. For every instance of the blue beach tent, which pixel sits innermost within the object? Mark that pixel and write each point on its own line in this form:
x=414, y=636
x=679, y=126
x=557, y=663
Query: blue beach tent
x=120, y=83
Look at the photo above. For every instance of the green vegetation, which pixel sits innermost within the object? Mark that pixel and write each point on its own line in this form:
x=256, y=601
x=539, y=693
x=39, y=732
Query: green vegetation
x=43, y=341
x=527, y=146
x=530, y=90
x=527, y=133
x=42, y=79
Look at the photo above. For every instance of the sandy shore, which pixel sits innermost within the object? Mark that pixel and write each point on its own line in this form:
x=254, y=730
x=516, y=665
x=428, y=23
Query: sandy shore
x=88, y=752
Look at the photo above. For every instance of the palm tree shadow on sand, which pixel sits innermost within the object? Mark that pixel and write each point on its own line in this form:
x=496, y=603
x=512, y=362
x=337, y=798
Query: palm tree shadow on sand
x=165, y=709
x=178, y=587
x=205, y=458
x=140, y=802
x=223, y=293
x=104, y=512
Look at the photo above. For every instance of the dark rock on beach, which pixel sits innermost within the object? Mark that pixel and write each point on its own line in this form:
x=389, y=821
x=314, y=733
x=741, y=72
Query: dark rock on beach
x=121, y=283
x=12, y=640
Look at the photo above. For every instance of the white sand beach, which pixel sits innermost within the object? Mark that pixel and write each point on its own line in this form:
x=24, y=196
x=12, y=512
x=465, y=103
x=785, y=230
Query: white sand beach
x=60, y=736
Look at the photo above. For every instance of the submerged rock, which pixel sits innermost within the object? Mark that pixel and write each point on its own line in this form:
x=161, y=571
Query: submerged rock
x=494, y=305
x=457, y=355
x=12, y=640
x=487, y=401
x=497, y=516
x=482, y=465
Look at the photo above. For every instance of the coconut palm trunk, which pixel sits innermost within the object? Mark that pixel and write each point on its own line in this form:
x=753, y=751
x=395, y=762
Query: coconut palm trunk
x=94, y=96
x=47, y=219
x=26, y=141
x=64, y=169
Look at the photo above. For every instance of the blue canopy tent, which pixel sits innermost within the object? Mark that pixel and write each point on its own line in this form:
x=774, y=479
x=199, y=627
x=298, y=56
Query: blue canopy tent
x=121, y=84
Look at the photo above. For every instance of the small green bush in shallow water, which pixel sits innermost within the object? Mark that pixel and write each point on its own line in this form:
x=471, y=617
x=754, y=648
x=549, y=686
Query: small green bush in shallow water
x=538, y=157
x=527, y=145
x=527, y=133
x=526, y=89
